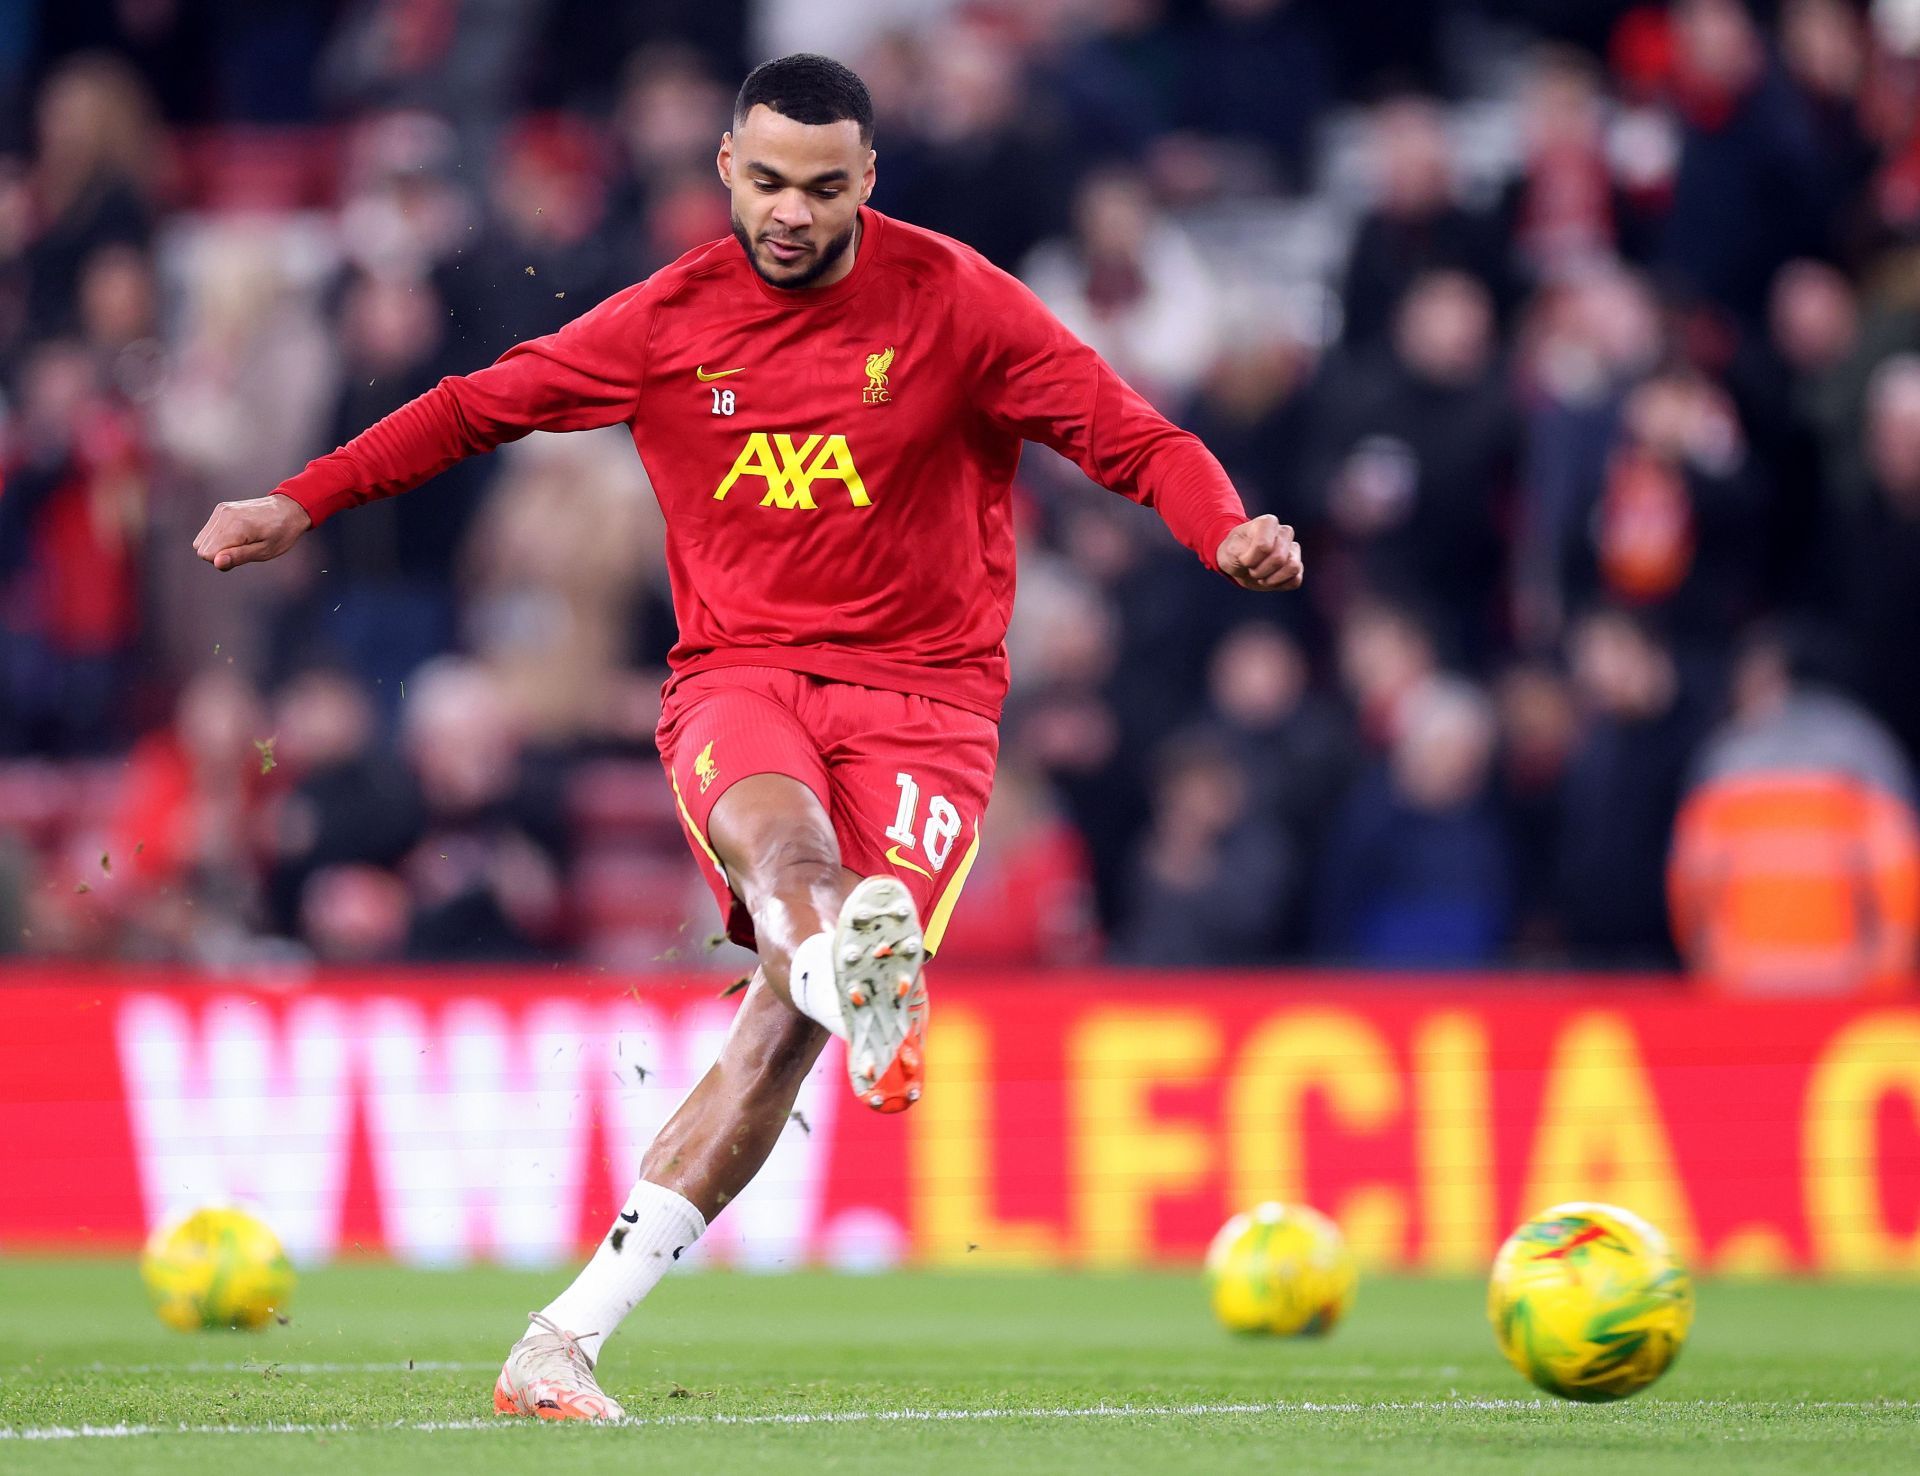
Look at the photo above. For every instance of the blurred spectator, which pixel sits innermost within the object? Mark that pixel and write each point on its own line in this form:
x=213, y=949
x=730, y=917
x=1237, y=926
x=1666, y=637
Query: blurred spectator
x=990, y=169
x=1591, y=341
x=245, y=393
x=404, y=214
x=1824, y=49
x=1416, y=870
x=1161, y=617
x=1814, y=317
x=1796, y=860
x=1539, y=727
x=241, y=399
x=119, y=320
x=350, y=801
x=1130, y=283
x=1416, y=224
x=543, y=257
x=1064, y=648
x=1681, y=520
x=667, y=123
x=1293, y=744
x=95, y=180
x=1749, y=192
x=72, y=517
x=1420, y=453
x=190, y=835
x=1254, y=411
x=553, y=574
x=1623, y=787
x=1877, y=558
x=1797, y=395
x=1387, y=658
x=1211, y=885
x=484, y=872
x=1564, y=214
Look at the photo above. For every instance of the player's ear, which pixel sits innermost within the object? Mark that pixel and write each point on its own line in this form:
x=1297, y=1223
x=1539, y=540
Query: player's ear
x=723, y=161
x=867, y=179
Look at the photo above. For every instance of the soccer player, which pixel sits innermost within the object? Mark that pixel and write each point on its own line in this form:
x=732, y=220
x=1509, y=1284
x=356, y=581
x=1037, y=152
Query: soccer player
x=830, y=406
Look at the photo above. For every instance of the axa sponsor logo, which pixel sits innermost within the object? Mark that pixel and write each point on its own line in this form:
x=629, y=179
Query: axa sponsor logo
x=788, y=468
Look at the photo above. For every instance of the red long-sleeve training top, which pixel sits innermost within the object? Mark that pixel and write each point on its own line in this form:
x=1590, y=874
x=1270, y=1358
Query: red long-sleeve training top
x=834, y=464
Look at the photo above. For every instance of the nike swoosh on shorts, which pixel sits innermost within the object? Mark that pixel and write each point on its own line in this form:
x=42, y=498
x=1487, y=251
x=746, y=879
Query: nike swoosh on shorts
x=893, y=855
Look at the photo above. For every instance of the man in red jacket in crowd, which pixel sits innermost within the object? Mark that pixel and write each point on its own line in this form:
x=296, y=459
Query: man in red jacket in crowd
x=830, y=407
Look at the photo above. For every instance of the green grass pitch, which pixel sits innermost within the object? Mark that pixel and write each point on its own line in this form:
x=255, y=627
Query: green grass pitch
x=926, y=1373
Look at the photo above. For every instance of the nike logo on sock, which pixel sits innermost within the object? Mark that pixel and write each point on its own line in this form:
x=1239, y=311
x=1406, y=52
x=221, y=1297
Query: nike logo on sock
x=631, y=1219
x=676, y=1251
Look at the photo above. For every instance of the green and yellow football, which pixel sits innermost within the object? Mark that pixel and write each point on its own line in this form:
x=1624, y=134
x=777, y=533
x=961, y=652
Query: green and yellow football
x=1280, y=1268
x=217, y=1267
x=1589, y=1302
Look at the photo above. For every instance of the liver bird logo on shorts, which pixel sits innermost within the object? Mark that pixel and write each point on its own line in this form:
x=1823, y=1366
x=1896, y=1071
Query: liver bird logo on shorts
x=877, y=367
x=704, y=768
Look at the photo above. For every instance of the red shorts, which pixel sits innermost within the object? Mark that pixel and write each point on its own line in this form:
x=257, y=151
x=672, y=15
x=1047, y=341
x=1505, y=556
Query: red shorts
x=904, y=779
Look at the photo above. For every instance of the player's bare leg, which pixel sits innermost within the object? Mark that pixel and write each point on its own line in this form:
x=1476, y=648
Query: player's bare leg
x=722, y=1133
x=838, y=954
x=714, y=1143
x=843, y=951
x=783, y=862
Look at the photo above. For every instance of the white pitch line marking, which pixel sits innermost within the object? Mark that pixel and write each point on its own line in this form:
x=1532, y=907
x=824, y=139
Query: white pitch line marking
x=432, y=1365
x=260, y=1365
x=936, y=1416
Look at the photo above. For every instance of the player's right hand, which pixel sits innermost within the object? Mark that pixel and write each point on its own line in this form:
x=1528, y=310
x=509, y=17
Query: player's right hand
x=251, y=531
x=1261, y=554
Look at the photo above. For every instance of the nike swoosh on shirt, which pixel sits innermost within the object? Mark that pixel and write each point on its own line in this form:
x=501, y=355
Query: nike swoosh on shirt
x=893, y=855
x=631, y=1219
x=701, y=374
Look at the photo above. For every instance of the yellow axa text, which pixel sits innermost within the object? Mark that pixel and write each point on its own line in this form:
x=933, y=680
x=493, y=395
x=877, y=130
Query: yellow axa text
x=790, y=469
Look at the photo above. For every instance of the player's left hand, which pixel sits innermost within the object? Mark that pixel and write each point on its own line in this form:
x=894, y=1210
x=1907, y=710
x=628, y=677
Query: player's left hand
x=1261, y=554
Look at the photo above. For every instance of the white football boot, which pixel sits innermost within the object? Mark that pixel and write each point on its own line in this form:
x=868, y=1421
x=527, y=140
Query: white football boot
x=549, y=1376
x=878, y=951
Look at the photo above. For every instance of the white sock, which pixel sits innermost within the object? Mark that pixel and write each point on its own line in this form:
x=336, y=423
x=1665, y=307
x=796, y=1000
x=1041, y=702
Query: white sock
x=653, y=1228
x=810, y=982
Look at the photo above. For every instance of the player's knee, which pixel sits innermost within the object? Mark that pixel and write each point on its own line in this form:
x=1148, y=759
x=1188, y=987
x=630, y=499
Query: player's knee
x=775, y=846
x=800, y=860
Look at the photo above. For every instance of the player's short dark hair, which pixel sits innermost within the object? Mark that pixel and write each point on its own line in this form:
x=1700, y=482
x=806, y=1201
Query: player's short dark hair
x=808, y=89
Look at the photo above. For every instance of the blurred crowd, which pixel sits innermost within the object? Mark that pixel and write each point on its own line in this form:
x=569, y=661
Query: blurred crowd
x=1579, y=339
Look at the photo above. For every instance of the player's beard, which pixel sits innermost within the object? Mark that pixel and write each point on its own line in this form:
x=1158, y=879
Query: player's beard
x=822, y=263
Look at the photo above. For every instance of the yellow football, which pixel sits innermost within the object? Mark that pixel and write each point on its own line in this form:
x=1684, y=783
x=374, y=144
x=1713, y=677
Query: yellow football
x=1589, y=1302
x=1280, y=1268
x=219, y=1266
